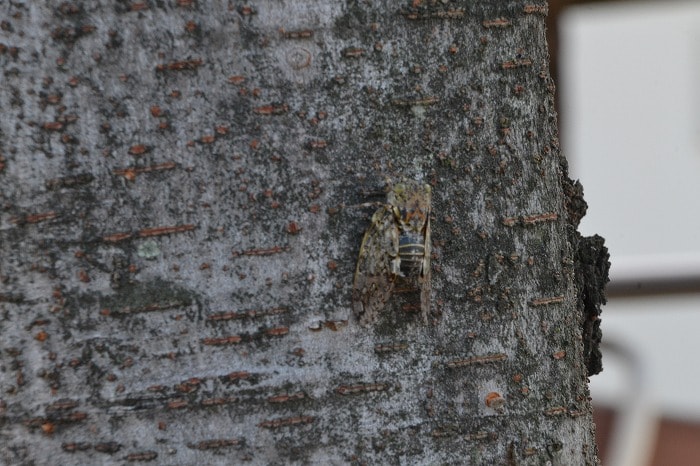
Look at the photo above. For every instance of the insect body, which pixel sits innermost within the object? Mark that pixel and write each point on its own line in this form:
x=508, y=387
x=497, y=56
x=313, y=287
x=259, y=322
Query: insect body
x=395, y=248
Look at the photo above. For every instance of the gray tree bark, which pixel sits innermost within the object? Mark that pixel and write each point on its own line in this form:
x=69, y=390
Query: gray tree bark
x=185, y=185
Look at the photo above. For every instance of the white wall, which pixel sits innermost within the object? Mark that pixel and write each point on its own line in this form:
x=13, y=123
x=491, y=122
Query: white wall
x=630, y=91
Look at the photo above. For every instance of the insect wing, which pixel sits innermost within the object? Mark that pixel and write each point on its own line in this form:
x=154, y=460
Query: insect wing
x=376, y=265
x=424, y=279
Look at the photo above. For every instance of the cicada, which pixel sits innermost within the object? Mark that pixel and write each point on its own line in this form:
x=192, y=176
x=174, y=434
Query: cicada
x=395, y=249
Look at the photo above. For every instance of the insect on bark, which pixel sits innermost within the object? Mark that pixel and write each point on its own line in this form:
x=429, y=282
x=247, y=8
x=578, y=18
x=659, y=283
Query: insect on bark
x=395, y=248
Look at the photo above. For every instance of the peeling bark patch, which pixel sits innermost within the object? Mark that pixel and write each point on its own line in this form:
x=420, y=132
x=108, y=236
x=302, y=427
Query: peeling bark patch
x=61, y=405
x=130, y=173
x=556, y=411
x=177, y=404
x=221, y=341
x=286, y=397
x=34, y=218
x=53, y=419
x=70, y=35
x=138, y=149
x=72, y=447
x=141, y=456
x=53, y=126
x=147, y=232
x=277, y=331
x=286, y=422
x=546, y=301
x=261, y=251
x=448, y=431
x=410, y=101
x=147, y=308
x=333, y=325
x=390, y=347
x=274, y=332
x=297, y=34
x=251, y=314
x=181, y=65
x=317, y=144
x=69, y=181
x=353, y=52
x=496, y=23
x=516, y=63
x=160, y=231
x=272, y=109
x=215, y=444
x=527, y=220
x=476, y=360
x=431, y=12
x=233, y=376
x=540, y=218
x=536, y=9
x=116, y=237
x=361, y=388
x=108, y=447
x=208, y=402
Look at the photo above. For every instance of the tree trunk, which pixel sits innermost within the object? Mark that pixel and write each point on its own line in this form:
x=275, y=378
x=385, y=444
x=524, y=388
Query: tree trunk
x=185, y=189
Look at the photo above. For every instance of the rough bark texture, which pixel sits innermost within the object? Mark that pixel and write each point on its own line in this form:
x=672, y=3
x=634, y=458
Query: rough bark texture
x=185, y=185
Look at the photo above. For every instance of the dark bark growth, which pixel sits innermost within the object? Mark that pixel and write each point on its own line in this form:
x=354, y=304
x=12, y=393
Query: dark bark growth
x=593, y=267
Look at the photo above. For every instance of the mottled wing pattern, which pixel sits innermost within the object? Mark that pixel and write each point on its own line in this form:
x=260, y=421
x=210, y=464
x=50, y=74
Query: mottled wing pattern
x=396, y=248
x=374, y=276
x=424, y=278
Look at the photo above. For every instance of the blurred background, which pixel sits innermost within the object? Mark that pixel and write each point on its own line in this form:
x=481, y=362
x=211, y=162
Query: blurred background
x=628, y=79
